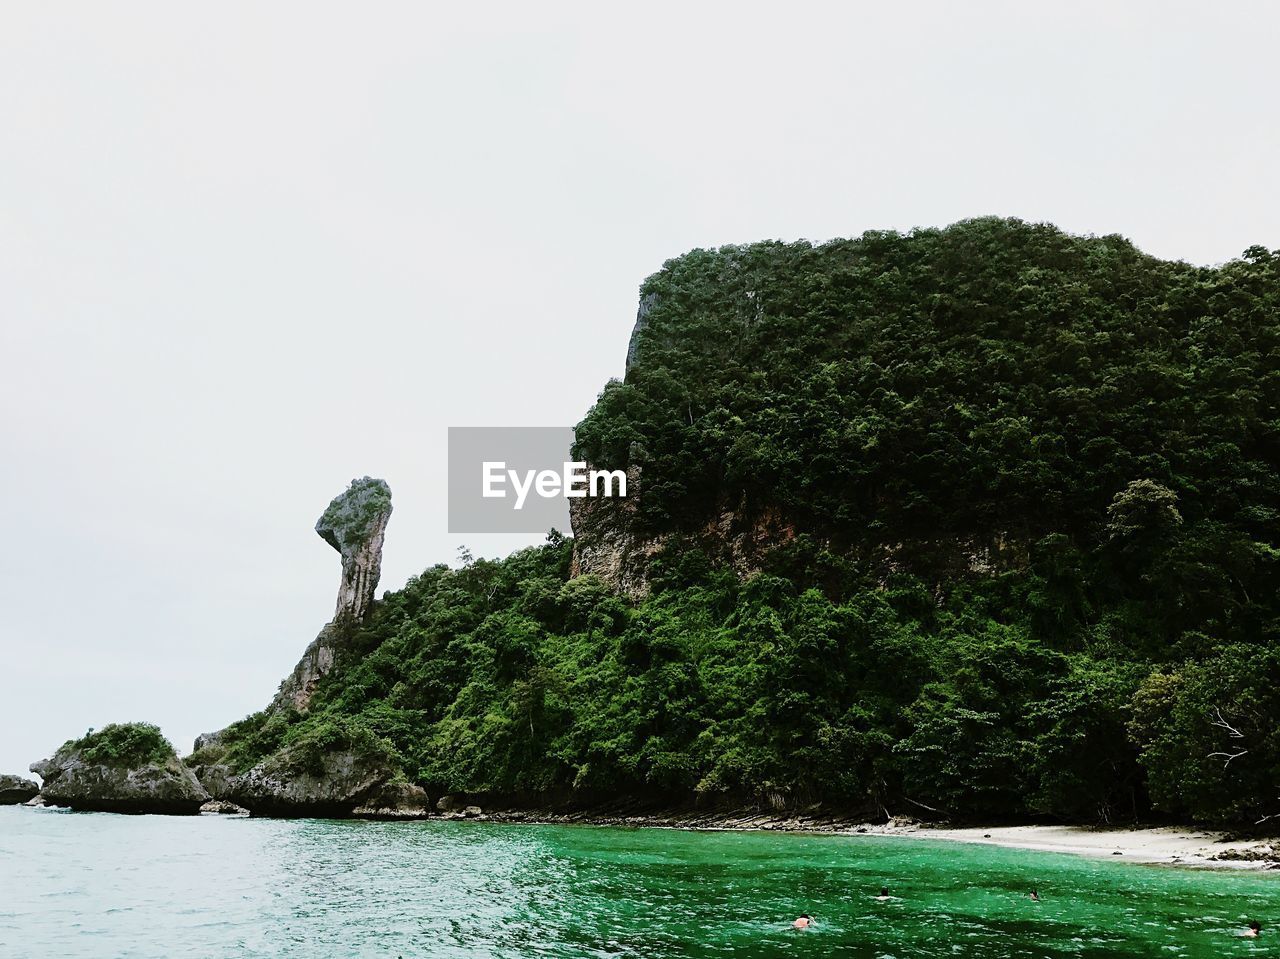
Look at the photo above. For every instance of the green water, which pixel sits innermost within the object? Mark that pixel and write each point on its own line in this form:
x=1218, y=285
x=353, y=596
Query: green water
x=100, y=885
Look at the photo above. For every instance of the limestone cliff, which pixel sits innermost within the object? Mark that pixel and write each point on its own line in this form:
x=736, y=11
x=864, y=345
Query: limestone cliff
x=606, y=544
x=606, y=541
x=355, y=524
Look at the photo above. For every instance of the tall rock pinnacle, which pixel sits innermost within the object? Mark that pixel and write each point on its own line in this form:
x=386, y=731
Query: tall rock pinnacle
x=355, y=524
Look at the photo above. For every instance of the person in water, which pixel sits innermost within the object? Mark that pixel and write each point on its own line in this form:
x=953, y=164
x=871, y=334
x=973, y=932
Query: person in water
x=804, y=922
x=1255, y=927
x=884, y=894
x=1035, y=896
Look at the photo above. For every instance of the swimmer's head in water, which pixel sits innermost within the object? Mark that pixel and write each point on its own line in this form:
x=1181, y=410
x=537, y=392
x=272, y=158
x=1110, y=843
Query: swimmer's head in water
x=1255, y=926
x=884, y=890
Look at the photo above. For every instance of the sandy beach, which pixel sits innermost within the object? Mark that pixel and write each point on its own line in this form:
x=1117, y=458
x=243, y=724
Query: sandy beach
x=1170, y=845
x=1161, y=844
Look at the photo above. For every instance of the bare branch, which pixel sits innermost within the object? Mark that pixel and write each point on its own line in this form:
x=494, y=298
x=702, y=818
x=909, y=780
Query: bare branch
x=1223, y=724
x=1229, y=757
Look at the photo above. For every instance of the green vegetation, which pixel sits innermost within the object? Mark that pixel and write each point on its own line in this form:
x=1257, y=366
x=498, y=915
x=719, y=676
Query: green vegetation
x=1031, y=488
x=123, y=744
x=347, y=520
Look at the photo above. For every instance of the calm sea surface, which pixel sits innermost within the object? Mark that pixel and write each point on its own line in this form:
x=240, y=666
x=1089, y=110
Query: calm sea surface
x=99, y=885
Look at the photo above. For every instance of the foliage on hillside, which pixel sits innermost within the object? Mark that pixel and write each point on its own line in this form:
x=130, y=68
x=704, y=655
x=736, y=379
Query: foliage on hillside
x=1104, y=424
x=123, y=744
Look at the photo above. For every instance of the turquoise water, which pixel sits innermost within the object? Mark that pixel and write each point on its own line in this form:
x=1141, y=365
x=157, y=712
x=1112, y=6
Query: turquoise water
x=99, y=885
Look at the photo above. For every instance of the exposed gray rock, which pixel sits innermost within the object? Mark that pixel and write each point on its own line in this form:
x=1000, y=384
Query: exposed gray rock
x=395, y=801
x=355, y=524
x=334, y=784
x=215, y=778
x=451, y=803
x=219, y=807
x=316, y=662
x=167, y=787
x=208, y=740
x=606, y=545
x=16, y=789
x=647, y=303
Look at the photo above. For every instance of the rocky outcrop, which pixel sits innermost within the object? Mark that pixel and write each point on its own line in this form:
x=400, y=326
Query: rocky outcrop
x=316, y=662
x=647, y=303
x=606, y=544
x=342, y=783
x=16, y=789
x=219, y=807
x=401, y=800
x=74, y=777
x=208, y=740
x=355, y=524
x=335, y=784
x=215, y=778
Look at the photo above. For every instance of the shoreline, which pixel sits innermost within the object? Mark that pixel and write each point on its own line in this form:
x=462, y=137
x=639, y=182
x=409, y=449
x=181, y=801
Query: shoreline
x=1151, y=845
x=1185, y=846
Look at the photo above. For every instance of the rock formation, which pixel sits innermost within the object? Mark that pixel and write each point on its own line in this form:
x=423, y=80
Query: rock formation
x=208, y=739
x=218, y=807
x=606, y=545
x=214, y=776
x=647, y=303
x=96, y=773
x=15, y=790
x=354, y=524
x=337, y=784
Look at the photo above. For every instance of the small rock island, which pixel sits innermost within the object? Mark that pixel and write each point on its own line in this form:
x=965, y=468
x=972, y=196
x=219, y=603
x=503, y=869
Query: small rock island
x=16, y=789
x=124, y=767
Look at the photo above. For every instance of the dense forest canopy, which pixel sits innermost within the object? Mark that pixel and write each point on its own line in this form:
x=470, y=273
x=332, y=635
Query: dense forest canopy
x=1032, y=482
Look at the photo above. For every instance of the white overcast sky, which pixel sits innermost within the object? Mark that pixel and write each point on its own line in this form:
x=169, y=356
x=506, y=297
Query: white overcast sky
x=249, y=251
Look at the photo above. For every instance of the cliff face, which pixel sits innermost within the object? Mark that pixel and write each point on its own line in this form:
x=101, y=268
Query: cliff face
x=931, y=404
x=355, y=524
x=608, y=543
